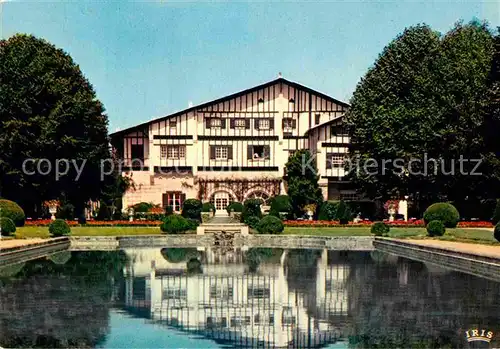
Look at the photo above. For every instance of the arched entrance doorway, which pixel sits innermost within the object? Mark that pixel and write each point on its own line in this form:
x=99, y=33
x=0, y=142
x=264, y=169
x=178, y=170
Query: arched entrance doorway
x=221, y=199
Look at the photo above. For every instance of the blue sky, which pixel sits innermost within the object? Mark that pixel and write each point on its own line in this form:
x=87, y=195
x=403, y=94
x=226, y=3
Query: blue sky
x=149, y=59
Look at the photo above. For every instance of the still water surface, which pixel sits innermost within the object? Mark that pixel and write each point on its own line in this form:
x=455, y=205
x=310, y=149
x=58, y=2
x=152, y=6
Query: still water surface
x=208, y=298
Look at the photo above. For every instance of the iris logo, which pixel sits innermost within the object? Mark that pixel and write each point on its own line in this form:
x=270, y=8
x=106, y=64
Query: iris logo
x=481, y=335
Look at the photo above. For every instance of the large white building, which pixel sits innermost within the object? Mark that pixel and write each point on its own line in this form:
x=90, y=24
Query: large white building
x=235, y=147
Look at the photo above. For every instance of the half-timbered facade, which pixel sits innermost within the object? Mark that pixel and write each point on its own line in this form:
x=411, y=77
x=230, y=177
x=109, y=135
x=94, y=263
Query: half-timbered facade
x=235, y=148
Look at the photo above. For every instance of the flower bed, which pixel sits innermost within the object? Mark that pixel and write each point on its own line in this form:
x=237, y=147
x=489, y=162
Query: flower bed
x=123, y=223
x=402, y=224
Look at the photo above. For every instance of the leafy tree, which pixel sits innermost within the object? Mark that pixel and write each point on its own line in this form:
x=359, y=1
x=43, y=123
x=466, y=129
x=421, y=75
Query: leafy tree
x=302, y=181
x=425, y=94
x=48, y=110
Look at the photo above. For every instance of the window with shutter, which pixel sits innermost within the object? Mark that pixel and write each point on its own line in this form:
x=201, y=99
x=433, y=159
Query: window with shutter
x=259, y=152
x=174, y=199
x=239, y=123
x=264, y=124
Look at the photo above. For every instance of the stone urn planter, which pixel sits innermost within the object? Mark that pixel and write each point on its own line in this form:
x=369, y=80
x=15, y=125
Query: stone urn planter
x=52, y=205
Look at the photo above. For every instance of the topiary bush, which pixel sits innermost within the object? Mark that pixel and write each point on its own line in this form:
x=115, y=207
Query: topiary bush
x=280, y=204
x=66, y=211
x=380, y=229
x=328, y=211
x=169, y=210
x=344, y=214
x=496, y=232
x=191, y=208
x=207, y=207
x=175, y=224
x=252, y=221
x=235, y=207
x=8, y=226
x=143, y=207
x=59, y=227
x=251, y=208
x=270, y=225
x=436, y=228
x=104, y=213
x=13, y=211
x=444, y=212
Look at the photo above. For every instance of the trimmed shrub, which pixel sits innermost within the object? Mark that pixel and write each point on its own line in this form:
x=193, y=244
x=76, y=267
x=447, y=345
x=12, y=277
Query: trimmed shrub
x=235, y=207
x=193, y=223
x=13, y=211
x=175, y=224
x=328, y=210
x=178, y=255
x=104, y=213
x=496, y=213
x=496, y=232
x=280, y=204
x=143, y=207
x=169, y=210
x=251, y=208
x=380, y=229
x=252, y=221
x=270, y=225
x=194, y=266
x=191, y=208
x=436, y=228
x=444, y=212
x=207, y=207
x=66, y=211
x=8, y=226
x=59, y=227
x=344, y=214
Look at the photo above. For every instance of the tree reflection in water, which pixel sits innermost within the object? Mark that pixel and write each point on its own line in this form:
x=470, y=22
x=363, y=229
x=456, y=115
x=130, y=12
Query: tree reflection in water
x=59, y=305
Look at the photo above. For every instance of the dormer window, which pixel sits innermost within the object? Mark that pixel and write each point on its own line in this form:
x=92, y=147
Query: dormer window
x=261, y=100
x=172, y=123
x=291, y=101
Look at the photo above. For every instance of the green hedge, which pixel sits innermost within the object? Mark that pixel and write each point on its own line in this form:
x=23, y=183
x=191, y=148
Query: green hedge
x=207, y=207
x=252, y=221
x=444, y=212
x=13, y=211
x=380, y=229
x=175, y=224
x=344, y=213
x=270, y=225
x=191, y=208
x=251, y=208
x=8, y=226
x=235, y=207
x=436, y=228
x=59, y=227
x=496, y=233
x=280, y=204
x=328, y=211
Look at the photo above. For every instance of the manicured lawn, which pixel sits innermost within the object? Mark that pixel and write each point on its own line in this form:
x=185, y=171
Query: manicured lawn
x=43, y=232
x=458, y=234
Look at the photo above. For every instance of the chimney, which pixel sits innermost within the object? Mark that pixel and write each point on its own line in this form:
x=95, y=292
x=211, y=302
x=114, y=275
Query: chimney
x=279, y=75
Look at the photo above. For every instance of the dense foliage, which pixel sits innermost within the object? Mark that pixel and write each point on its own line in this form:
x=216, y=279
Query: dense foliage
x=7, y=226
x=143, y=207
x=328, y=211
x=207, y=207
x=234, y=207
x=496, y=213
x=191, y=208
x=66, y=211
x=444, y=212
x=175, y=224
x=302, y=181
x=429, y=97
x=280, y=204
x=435, y=228
x=13, y=211
x=344, y=213
x=380, y=229
x=251, y=208
x=252, y=221
x=59, y=227
x=48, y=110
x=270, y=225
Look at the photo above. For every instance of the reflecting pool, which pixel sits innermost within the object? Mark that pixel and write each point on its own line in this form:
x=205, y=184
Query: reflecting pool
x=257, y=297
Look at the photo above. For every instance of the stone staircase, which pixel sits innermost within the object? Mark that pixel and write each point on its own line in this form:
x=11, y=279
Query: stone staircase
x=222, y=223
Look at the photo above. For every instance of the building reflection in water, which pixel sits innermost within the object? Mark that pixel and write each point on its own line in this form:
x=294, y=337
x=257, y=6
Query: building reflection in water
x=234, y=304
